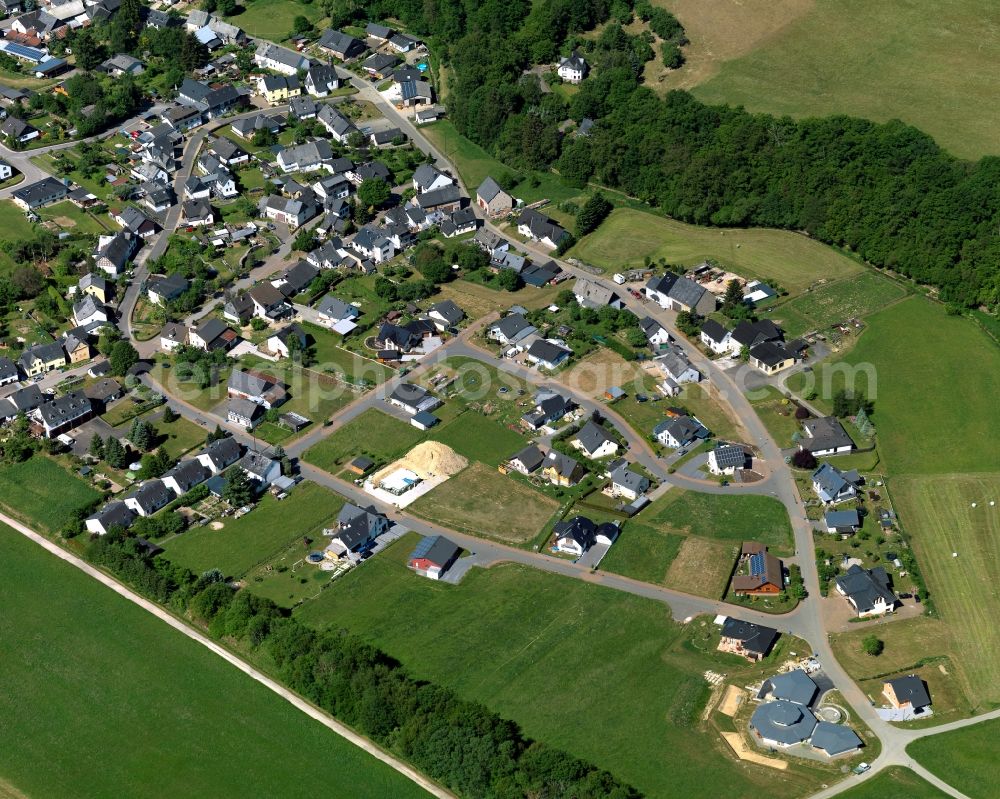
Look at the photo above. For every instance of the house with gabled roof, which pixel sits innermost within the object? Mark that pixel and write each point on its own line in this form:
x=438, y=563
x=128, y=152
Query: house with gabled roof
x=907, y=693
x=549, y=407
x=511, y=330
x=538, y=227
x=42, y=358
x=677, y=370
x=680, y=431
x=627, y=483
x=744, y=638
x=445, y=314
x=258, y=387
x=412, y=398
x=186, y=475
x=433, y=556
x=594, y=441
x=562, y=470
x=357, y=528
x=577, y=535
x=869, y=591
x=716, y=337
x=528, y=460
x=572, y=69
x=114, y=514
x=321, y=79
x=833, y=486
x=220, y=454
x=280, y=59
x=493, y=199
x=592, y=294
x=341, y=45
x=825, y=436
x=759, y=573
x=64, y=413
x=727, y=458
x=546, y=354
x=150, y=497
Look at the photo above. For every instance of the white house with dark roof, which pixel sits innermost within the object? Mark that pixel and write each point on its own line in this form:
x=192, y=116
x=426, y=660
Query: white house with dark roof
x=594, y=441
x=626, y=483
x=572, y=69
x=869, y=591
x=280, y=59
x=825, y=436
x=833, y=486
x=726, y=458
x=679, y=431
x=716, y=337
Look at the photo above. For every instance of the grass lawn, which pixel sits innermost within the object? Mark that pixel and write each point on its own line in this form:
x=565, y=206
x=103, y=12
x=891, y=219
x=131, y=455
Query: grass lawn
x=478, y=300
x=726, y=517
x=273, y=19
x=481, y=501
x=41, y=493
x=937, y=513
x=919, y=62
x=77, y=669
x=777, y=414
x=922, y=646
x=857, y=296
x=331, y=357
x=179, y=436
x=793, y=261
x=964, y=758
x=74, y=220
x=202, y=398
x=251, y=178
x=288, y=579
x=643, y=553
x=704, y=403
x=938, y=377
x=260, y=535
x=474, y=164
x=13, y=223
x=374, y=433
x=524, y=632
x=895, y=782
x=479, y=438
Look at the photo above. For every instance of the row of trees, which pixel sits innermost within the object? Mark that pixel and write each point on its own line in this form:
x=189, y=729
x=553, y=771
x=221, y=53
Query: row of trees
x=459, y=743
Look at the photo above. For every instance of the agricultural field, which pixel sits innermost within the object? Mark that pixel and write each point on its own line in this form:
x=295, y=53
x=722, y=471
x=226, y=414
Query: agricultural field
x=789, y=259
x=829, y=304
x=263, y=533
x=937, y=379
x=920, y=645
x=938, y=515
x=374, y=433
x=965, y=758
x=644, y=726
x=273, y=19
x=894, y=782
x=919, y=61
x=481, y=501
x=479, y=438
x=42, y=494
x=77, y=669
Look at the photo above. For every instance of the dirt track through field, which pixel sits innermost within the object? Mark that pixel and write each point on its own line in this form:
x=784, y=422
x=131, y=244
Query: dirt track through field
x=246, y=668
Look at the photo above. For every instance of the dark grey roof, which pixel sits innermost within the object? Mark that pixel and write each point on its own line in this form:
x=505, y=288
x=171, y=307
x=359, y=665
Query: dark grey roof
x=41, y=191
x=795, y=686
x=167, y=286
x=488, y=189
x=831, y=480
x=69, y=408
x=209, y=330
x=662, y=283
x=864, y=587
x=633, y=481
x=188, y=474
x=564, y=464
x=714, y=330
x=511, y=325
x=448, y=311
x=686, y=292
x=825, y=433
x=115, y=514
x=530, y=457
x=592, y=436
x=770, y=353
x=357, y=525
x=443, y=196
x=746, y=334
x=682, y=428
x=409, y=394
x=842, y=518
x=835, y=739
x=222, y=452
x=910, y=689
x=546, y=351
x=784, y=722
x=152, y=495
x=437, y=549
x=753, y=637
x=27, y=398
x=584, y=531
x=7, y=369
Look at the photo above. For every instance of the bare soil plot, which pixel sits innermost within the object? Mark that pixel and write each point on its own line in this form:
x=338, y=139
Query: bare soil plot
x=481, y=501
x=604, y=368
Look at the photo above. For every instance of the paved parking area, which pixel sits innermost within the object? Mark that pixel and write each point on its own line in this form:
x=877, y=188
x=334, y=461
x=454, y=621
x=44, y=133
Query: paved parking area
x=593, y=556
x=85, y=432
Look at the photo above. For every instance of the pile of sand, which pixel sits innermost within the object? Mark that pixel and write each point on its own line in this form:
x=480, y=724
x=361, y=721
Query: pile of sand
x=427, y=459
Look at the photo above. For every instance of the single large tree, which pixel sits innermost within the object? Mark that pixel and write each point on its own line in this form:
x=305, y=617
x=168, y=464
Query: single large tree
x=373, y=192
x=123, y=357
x=239, y=490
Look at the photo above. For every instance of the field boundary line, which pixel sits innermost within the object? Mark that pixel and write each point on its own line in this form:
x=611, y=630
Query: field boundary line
x=289, y=696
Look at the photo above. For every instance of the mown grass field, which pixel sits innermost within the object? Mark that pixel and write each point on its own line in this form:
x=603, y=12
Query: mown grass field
x=534, y=646
x=777, y=414
x=938, y=377
x=643, y=553
x=263, y=533
x=75, y=220
x=373, y=433
x=793, y=261
x=42, y=494
x=858, y=296
x=479, y=438
x=480, y=501
x=965, y=758
x=274, y=19
x=87, y=673
x=913, y=63
x=331, y=357
x=894, y=782
x=937, y=513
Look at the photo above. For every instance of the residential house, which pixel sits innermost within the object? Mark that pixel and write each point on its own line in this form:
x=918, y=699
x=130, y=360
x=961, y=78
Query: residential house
x=428, y=177
x=228, y=152
x=341, y=45
x=626, y=483
x=727, y=458
x=759, y=573
x=113, y=253
x=380, y=65
x=123, y=64
x=549, y=407
x=771, y=357
x=278, y=89
x=64, y=413
x=591, y=294
x=594, y=441
x=114, y=514
x=546, y=354
x=247, y=127
x=907, y=693
x=286, y=210
x=172, y=336
x=321, y=79
x=825, y=436
x=833, y=486
x=150, y=497
x=8, y=372
x=386, y=137
x=869, y=591
x=185, y=476
x=750, y=334
x=336, y=124
x=357, y=528
x=433, y=556
x=511, y=330
x=281, y=342
x=295, y=279
x=540, y=228
x=677, y=370
x=680, y=431
x=445, y=314
x=197, y=213
x=656, y=334
x=755, y=293
x=219, y=455
x=374, y=244
x=239, y=308
x=493, y=199
x=77, y=348
x=562, y=470
x=379, y=33
x=212, y=334
x=781, y=724
x=42, y=358
x=834, y=739
x=577, y=535
x=336, y=314
x=752, y=641
x=412, y=398
x=163, y=289
x=261, y=468
x=715, y=337
x=302, y=108
x=6, y=170
x=258, y=387
x=243, y=412
x=461, y=221
x=18, y=130
x=439, y=203
x=572, y=69
x=89, y=310
x=402, y=43
x=43, y=192
x=392, y=337
x=280, y=59
x=683, y=294
x=526, y=461
x=842, y=522
x=134, y=221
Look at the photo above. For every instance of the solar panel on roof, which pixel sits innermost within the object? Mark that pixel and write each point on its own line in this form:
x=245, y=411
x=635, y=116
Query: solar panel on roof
x=756, y=565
